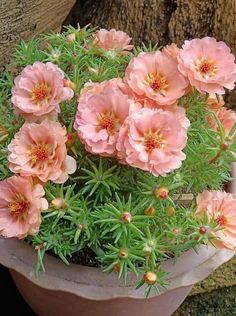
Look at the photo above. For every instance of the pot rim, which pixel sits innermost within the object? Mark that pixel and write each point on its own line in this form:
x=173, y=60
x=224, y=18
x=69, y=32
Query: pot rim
x=92, y=283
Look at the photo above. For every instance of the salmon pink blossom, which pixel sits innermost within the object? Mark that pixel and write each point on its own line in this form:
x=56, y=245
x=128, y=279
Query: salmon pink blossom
x=178, y=111
x=91, y=88
x=39, y=90
x=172, y=50
x=226, y=117
x=99, y=122
x=155, y=76
x=220, y=207
x=39, y=150
x=21, y=203
x=208, y=65
x=152, y=140
x=113, y=40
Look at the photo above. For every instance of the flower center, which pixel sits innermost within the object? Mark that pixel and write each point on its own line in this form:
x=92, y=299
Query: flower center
x=109, y=122
x=40, y=92
x=153, y=140
x=39, y=153
x=221, y=220
x=157, y=82
x=19, y=207
x=206, y=67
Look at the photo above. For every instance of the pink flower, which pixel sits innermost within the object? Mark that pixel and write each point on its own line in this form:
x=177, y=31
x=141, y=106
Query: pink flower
x=39, y=150
x=172, y=50
x=221, y=207
x=208, y=64
x=39, y=90
x=178, y=111
x=155, y=76
x=99, y=121
x=226, y=117
x=91, y=88
x=113, y=40
x=152, y=140
x=21, y=203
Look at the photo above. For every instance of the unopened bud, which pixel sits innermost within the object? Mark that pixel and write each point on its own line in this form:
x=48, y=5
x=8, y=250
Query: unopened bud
x=70, y=37
x=116, y=267
x=147, y=250
x=81, y=226
x=93, y=70
x=40, y=246
x=123, y=254
x=58, y=203
x=126, y=217
x=70, y=139
x=170, y=211
x=150, y=211
x=203, y=230
x=150, y=278
x=69, y=84
x=151, y=243
x=225, y=145
x=176, y=231
x=161, y=192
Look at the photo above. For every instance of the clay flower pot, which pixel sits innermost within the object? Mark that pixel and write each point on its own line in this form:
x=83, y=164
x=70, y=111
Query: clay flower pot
x=68, y=290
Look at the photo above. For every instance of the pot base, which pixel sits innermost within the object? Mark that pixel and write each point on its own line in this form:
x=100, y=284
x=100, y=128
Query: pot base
x=59, y=303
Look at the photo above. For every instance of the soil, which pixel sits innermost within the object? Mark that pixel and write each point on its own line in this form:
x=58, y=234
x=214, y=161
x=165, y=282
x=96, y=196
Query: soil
x=85, y=257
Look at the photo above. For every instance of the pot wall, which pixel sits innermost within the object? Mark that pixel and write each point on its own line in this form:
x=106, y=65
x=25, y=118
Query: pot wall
x=58, y=303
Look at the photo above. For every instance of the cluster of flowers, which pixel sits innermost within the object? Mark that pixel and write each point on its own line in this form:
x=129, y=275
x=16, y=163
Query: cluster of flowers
x=135, y=119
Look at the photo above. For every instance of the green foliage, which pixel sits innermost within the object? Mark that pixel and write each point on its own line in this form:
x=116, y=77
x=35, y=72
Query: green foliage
x=105, y=205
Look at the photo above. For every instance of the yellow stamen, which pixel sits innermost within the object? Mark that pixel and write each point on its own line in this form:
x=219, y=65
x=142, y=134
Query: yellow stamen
x=40, y=92
x=206, y=67
x=157, y=82
x=108, y=121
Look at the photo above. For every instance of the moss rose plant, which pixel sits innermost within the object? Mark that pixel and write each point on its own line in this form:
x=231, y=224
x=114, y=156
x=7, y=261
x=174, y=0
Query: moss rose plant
x=115, y=150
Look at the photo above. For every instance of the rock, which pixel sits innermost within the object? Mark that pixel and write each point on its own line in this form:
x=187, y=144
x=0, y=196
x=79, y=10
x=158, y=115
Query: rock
x=22, y=19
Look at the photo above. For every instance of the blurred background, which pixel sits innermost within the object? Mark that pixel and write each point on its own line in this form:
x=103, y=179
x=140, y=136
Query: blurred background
x=158, y=21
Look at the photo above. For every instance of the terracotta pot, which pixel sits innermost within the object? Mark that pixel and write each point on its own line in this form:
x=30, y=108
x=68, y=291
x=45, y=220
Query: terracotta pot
x=78, y=290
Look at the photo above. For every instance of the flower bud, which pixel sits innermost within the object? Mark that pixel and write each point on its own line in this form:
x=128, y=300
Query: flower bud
x=150, y=278
x=70, y=37
x=69, y=84
x=58, y=203
x=81, y=226
x=94, y=71
x=176, y=231
x=202, y=230
x=116, y=267
x=170, y=211
x=151, y=243
x=150, y=211
x=225, y=145
x=123, y=254
x=40, y=246
x=147, y=250
x=161, y=192
x=126, y=217
x=70, y=139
